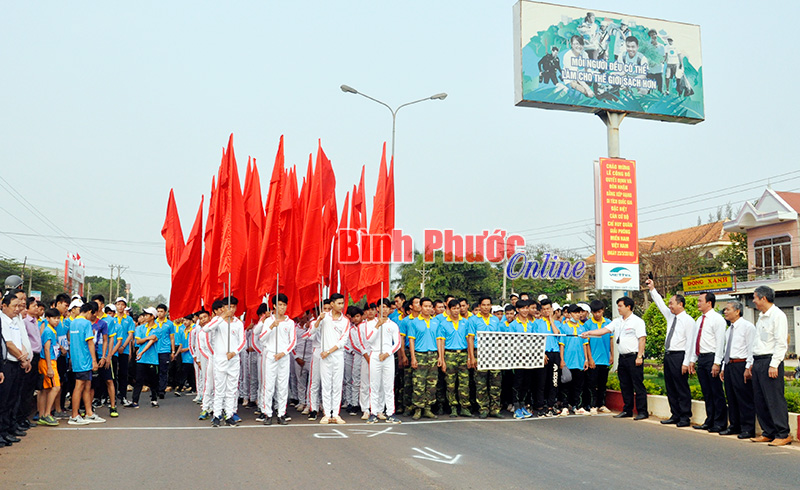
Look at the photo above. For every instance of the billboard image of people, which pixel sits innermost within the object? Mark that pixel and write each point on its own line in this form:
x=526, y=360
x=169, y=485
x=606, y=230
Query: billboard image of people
x=587, y=60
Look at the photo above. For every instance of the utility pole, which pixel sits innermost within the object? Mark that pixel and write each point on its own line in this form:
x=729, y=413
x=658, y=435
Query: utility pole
x=424, y=273
x=110, y=279
x=120, y=269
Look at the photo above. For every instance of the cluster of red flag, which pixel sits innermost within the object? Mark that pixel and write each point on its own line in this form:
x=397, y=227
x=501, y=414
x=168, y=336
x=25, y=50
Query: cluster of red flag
x=288, y=244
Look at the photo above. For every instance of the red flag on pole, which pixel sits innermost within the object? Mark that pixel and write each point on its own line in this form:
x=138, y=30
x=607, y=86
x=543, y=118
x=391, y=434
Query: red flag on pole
x=270, y=263
x=375, y=273
x=337, y=269
x=231, y=220
x=254, y=213
x=208, y=284
x=184, y=297
x=352, y=272
x=172, y=233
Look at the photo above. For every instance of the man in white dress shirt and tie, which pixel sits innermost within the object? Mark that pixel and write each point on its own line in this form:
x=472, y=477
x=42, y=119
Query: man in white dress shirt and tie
x=736, y=373
x=707, y=350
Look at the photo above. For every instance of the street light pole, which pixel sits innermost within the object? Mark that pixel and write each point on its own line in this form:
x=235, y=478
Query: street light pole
x=350, y=90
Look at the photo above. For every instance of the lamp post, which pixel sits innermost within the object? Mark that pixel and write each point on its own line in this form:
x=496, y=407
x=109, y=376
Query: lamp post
x=350, y=90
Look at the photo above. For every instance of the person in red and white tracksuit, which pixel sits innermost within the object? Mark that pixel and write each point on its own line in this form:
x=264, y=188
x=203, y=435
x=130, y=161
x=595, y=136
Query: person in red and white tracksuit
x=352, y=364
x=382, y=341
x=301, y=357
x=314, y=336
x=263, y=313
x=205, y=343
x=334, y=328
x=363, y=389
x=228, y=342
x=277, y=340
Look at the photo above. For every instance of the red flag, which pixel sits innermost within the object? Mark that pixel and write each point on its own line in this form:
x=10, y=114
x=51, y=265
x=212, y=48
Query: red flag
x=336, y=284
x=292, y=220
x=184, y=296
x=311, y=255
x=352, y=272
x=254, y=213
x=374, y=277
x=172, y=233
x=270, y=263
x=231, y=220
x=329, y=217
x=208, y=284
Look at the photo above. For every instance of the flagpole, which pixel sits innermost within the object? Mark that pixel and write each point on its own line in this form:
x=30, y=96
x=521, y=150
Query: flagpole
x=229, y=311
x=322, y=333
x=380, y=316
x=277, y=290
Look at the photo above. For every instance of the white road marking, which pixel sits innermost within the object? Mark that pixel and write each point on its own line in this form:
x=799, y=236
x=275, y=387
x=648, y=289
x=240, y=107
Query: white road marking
x=435, y=456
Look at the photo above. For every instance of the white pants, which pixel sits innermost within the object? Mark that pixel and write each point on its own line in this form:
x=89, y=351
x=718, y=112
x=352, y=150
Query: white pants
x=301, y=380
x=347, y=377
x=293, y=391
x=207, y=367
x=314, y=381
x=331, y=373
x=226, y=385
x=253, y=383
x=276, y=384
x=356, y=376
x=244, y=373
x=363, y=389
x=381, y=383
x=199, y=378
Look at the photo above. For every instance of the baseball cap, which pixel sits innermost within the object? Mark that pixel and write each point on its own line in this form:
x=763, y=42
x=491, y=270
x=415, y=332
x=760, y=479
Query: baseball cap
x=585, y=307
x=541, y=297
x=75, y=302
x=496, y=308
x=121, y=299
x=556, y=307
x=150, y=311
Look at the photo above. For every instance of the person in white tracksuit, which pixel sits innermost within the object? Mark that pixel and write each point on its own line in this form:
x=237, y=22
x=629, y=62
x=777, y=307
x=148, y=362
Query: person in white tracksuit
x=302, y=360
x=205, y=343
x=382, y=341
x=229, y=341
x=334, y=328
x=358, y=358
x=194, y=349
x=277, y=341
x=352, y=352
x=263, y=313
x=315, y=335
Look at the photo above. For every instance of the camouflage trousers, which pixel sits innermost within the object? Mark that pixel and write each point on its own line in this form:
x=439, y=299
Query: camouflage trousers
x=425, y=380
x=407, y=383
x=487, y=389
x=457, y=378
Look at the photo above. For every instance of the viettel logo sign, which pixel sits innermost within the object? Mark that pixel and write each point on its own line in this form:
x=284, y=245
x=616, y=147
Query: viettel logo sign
x=620, y=275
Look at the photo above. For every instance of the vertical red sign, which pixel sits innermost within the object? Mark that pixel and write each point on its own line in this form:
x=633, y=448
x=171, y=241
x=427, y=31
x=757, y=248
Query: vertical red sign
x=620, y=223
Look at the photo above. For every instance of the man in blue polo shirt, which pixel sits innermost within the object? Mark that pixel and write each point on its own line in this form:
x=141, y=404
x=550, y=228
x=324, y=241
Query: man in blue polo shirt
x=125, y=328
x=573, y=357
x=412, y=310
x=165, y=348
x=521, y=377
x=84, y=361
x=487, y=383
x=424, y=359
x=547, y=390
x=452, y=343
x=602, y=355
x=146, y=337
x=105, y=339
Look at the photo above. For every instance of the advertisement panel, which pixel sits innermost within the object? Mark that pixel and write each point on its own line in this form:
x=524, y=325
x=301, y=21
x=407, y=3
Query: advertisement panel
x=616, y=225
x=717, y=282
x=74, y=272
x=586, y=60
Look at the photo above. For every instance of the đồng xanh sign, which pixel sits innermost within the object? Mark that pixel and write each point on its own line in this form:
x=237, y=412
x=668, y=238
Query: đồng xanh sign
x=717, y=282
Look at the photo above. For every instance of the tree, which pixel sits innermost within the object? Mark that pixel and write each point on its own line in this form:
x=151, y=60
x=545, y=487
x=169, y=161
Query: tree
x=100, y=285
x=657, y=326
x=734, y=256
x=35, y=279
x=467, y=279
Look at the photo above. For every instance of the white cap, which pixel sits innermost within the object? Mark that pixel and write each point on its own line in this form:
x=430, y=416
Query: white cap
x=75, y=302
x=496, y=308
x=121, y=299
x=150, y=311
x=542, y=296
x=585, y=307
x=556, y=307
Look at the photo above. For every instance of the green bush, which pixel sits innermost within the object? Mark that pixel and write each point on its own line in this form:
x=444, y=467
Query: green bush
x=657, y=326
x=613, y=383
x=651, y=371
x=697, y=393
x=793, y=401
x=653, y=388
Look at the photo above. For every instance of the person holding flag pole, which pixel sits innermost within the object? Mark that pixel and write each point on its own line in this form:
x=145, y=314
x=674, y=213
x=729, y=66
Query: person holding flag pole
x=278, y=340
x=382, y=346
x=334, y=329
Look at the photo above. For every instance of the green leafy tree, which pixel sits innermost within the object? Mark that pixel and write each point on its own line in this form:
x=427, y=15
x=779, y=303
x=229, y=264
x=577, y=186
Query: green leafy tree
x=657, y=326
x=734, y=256
x=35, y=279
x=100, y=285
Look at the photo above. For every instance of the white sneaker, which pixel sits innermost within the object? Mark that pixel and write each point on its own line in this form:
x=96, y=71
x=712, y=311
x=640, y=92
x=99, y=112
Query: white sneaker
x=604, y=409
x=338, y=420
x=593, y=411
x=94, y=419
x=78, y=421
x=564, y=412
x=325, y=420
x=305, y=411
x=365, y=416
x=300, y=407
x=581, y=411
x=382, y=416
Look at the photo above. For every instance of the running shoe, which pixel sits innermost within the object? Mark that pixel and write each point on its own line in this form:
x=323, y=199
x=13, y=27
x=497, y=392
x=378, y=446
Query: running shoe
x=94, y=419
x=112, y=412
x=78, y=421
x=372, y=419
x=391, y=419
x=204, y=415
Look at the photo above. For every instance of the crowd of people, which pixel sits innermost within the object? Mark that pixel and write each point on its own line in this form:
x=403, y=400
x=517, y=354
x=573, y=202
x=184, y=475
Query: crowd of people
x=417, y=357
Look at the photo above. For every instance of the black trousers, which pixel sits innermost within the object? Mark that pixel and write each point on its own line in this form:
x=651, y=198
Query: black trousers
x=741, y=408
x=122, y=366
x=27, y=403
x=163, y=371
x=631, y=383
x=678, y=393
x=61, y=364
x=9, y=396
x=552, y=378
x=175, y=373
x=146, y=374
x=574, y=388
x=769, y=398
x=538, y=379
x=521, y=380
x=713, y=393
x=601, y=381
x=187, y=374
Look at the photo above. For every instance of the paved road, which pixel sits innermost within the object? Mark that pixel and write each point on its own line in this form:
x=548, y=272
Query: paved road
x=152, y=448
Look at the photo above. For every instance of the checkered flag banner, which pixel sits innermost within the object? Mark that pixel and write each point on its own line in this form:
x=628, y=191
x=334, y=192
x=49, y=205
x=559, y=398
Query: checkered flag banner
x=510, y=350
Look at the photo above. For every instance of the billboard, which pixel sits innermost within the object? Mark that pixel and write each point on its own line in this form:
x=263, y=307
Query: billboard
x=718, y=282
x=616, y=225
x=586, y=60
x=74, y=272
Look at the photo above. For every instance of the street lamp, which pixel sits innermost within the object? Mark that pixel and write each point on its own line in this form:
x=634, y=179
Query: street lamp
x=350, y=90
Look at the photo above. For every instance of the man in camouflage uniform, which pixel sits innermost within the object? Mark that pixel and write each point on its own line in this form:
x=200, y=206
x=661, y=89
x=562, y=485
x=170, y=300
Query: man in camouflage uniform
x=487, y=383
x=412, y=310
x=452, y=345
x=425, y=358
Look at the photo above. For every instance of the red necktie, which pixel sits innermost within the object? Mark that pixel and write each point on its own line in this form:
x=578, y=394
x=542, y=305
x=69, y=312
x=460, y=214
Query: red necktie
x=699, y=334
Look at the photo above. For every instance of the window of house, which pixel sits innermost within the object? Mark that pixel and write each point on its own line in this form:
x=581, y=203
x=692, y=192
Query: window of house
x=773, y=253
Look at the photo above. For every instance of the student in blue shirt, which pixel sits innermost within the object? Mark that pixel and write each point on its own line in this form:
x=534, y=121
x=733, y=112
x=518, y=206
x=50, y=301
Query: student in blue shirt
x=601, y=350
x=125, y=328
x=62, y=333
x=165, y=348
x=573, y=357
x=146, y=336
x=452, y=343
x=84, y=361
x=182, y=336
x=411, y=309
x=487, y=383
x=521, y=378
x=105, y=337
x=548, y=324
x=422, y=333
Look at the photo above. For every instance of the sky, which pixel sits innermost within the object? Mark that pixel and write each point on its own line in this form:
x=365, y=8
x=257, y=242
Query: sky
x=107, y=106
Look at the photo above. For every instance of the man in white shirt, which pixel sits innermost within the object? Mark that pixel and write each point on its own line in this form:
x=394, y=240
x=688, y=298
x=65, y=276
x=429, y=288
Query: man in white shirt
x=707, y=350
x=334, y=327
x=736, y=372
x=769, y=351
x=18, y=362
x=277, y=340
x=676, y=356
x=382, y=341
x=631, y=334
